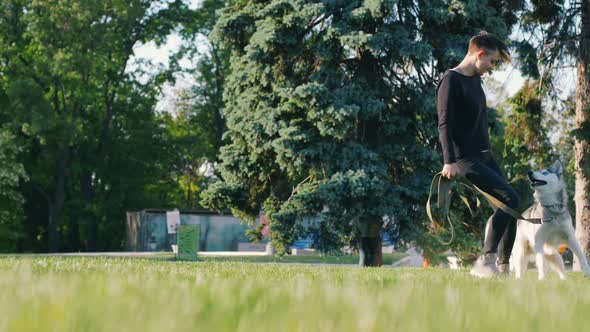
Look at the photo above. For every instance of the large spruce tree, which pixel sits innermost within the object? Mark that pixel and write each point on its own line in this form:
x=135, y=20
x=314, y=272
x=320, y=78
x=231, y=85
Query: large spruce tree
x=330, y=110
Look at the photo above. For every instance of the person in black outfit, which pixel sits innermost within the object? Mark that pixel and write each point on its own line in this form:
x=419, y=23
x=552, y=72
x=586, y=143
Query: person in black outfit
x=463, y=134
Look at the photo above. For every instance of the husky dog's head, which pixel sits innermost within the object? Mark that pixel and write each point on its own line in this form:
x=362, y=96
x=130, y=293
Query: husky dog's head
x=548, y=182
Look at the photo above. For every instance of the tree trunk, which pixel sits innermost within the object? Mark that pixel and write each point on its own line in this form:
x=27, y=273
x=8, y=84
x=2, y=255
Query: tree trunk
x=52, y=232
x=57, y=203
x=90, y=220
x=370, y=248
x=582, y=142
x=217, y=98
x=370, y=251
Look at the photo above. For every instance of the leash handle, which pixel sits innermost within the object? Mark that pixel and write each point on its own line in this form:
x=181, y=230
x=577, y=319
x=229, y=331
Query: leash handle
x=436, y=224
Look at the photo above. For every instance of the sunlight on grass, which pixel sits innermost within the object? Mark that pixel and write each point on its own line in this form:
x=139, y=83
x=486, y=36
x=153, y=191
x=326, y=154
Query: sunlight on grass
x=123, y=294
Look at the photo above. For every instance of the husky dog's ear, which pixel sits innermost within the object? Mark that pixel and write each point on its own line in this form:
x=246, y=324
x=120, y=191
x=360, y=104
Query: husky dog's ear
x=556, y=168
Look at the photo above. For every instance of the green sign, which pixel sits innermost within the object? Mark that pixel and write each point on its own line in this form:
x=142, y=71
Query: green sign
x=187, y=239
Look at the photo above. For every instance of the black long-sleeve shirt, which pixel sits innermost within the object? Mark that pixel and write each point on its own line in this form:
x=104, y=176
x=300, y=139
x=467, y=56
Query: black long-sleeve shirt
x=462, y=116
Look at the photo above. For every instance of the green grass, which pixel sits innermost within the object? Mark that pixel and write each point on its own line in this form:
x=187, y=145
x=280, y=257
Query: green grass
x=125, y=294
x=311, y=259
x=301, y=259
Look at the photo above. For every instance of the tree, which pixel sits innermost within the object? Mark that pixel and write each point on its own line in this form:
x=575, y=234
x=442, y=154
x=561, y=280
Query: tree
x=68, y=87
x=198, y=110
x=525, y=138
x=330, y=113
x=11, y=200
x=582, y=131
x=560, y=32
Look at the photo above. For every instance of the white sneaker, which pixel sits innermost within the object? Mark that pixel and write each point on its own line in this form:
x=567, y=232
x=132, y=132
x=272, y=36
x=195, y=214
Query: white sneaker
x=485, y=266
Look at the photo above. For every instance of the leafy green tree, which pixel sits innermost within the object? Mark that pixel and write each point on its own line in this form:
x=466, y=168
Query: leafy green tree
x=70, y=93
x=11, y=200
x=198, y=124
x=526, y=139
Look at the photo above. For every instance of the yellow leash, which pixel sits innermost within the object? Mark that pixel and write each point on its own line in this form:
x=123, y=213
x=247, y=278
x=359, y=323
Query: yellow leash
x=444, y=202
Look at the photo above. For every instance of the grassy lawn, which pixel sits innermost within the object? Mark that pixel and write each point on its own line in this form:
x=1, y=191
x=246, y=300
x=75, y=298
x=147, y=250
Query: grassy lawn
x=131, y=294
x=302, y=259
x=344, y=259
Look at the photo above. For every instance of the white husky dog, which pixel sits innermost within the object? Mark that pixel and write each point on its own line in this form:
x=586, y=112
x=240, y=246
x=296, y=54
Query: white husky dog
x=543, y=240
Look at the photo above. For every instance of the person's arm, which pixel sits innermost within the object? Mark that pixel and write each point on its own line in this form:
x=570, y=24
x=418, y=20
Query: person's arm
x=445, y=105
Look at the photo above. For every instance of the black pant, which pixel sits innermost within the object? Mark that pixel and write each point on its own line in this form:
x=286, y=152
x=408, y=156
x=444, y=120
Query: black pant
x=483, y=172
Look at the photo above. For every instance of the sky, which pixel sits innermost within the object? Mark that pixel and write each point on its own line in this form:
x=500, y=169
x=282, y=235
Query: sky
x=159, y=57
x=511, y=80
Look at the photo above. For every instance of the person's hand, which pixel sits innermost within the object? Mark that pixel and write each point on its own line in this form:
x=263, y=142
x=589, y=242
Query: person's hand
x=450, y=171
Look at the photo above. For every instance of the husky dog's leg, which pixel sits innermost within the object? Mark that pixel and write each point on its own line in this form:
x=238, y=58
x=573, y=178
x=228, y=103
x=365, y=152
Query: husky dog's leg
x=521, y=265
x=520, y=257
x=539, y=254
x=577, y=250
x=540, y=262
x=556, y=263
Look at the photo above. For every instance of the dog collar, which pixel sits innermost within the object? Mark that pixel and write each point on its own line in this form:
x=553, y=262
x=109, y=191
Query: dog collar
x=554, y=216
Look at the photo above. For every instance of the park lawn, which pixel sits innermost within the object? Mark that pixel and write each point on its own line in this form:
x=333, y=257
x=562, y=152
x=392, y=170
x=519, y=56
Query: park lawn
x=132, y=294
x=298, y=259
x=303, y=259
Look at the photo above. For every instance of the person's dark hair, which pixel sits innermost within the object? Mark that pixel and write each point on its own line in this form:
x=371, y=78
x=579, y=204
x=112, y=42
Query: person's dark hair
x=488, y=42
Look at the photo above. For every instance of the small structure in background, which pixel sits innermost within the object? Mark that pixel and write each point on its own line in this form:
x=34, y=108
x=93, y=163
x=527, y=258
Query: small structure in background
x=154, y=230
